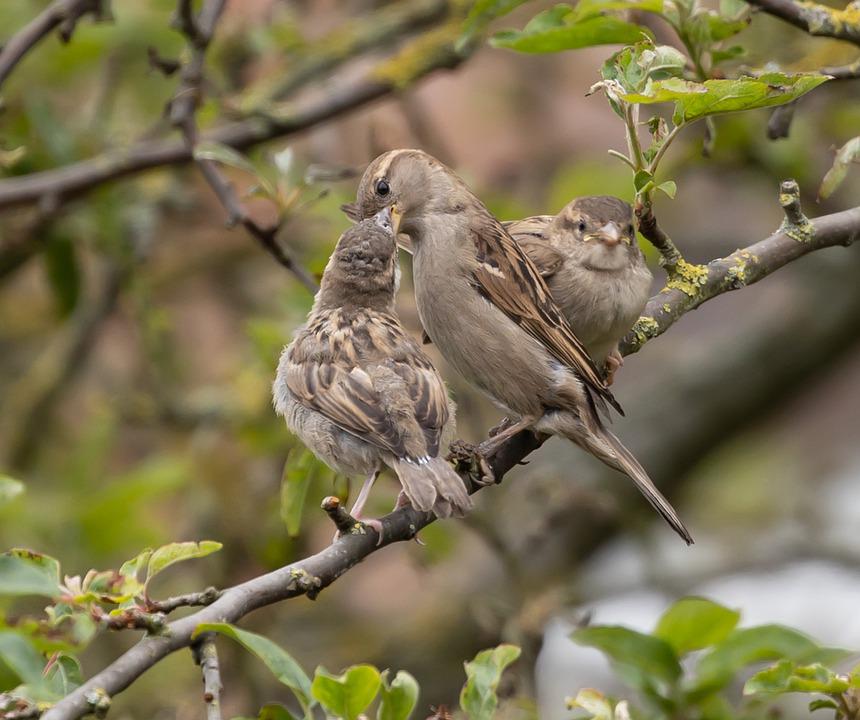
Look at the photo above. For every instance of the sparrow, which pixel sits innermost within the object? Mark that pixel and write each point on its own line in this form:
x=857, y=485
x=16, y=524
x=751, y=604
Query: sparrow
x=491, y=315
x=594, y=268
x=595, y=271
x=358, y=391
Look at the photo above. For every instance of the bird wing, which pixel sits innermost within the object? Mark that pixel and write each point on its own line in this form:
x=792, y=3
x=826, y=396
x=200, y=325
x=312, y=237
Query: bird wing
x=531, y=234
x=367, y=382
x=509, y=279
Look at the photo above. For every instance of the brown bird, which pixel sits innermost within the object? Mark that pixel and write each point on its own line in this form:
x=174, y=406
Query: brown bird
x=596, y=273
x=490, y=313
x=359, y=391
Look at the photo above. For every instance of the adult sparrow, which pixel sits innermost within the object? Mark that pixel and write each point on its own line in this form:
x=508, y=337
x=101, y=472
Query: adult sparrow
x=358, y=390
x=596, y=273
x=490, y=313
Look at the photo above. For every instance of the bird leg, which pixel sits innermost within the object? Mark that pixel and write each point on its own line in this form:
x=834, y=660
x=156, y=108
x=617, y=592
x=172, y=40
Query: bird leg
x=358, y=505
x=490, y=446
x=613, y=361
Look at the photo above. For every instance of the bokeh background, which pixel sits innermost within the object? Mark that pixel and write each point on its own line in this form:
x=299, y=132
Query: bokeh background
x=139, y=337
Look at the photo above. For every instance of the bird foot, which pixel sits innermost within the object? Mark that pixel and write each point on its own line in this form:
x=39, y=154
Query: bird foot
x=468, y=459
x=613, y=362
x=372, y=523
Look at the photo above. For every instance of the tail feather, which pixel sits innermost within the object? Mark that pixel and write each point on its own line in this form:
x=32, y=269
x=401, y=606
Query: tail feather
x=433, y=485
x=604, y=445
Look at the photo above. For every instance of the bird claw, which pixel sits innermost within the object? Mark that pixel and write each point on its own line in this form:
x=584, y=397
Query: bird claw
x=359, y=527
x=501, y=427
x=613, y=362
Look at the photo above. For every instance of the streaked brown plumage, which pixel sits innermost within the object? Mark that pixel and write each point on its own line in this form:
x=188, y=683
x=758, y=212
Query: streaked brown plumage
x=491, y=315
x=358, y=390
x=589, y=258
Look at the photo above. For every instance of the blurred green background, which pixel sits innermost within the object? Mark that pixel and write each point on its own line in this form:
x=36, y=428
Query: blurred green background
x=139, y=338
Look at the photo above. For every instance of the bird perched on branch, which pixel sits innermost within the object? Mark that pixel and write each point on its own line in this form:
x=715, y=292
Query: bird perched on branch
x=595, y=271
x=490, y=313
x=359, y=391
x=592, y=264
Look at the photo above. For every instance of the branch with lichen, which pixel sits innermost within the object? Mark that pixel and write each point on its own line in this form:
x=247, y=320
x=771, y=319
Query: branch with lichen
x=815, y=18
x=695, y=284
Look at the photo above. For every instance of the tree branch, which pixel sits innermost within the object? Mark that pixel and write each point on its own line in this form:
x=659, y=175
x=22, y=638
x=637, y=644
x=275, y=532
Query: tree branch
x=182, y=111
x=814, y=18
x=743, y=267
x=206, y=656
x=311, y=575
x=434, y=50
x=63, y=14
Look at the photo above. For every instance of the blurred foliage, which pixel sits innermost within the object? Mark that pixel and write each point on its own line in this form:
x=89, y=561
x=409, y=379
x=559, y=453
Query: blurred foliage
x=691, y=664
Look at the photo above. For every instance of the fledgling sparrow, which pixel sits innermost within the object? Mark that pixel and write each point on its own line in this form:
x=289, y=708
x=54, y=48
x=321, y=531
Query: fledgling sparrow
x=359, y=391
x=490, y=313
x=592, y=264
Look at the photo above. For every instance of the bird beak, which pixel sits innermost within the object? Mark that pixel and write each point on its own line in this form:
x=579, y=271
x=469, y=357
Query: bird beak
x=610, y=235
x=395, y=218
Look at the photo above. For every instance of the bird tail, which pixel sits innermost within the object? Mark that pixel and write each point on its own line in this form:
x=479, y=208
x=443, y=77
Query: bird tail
x=603, y=444
x=432, y=484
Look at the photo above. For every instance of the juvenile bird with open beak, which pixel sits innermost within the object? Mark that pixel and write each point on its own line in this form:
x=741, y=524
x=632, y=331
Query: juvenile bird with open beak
x=359, y=391
x=594, y=268
x=490, y=313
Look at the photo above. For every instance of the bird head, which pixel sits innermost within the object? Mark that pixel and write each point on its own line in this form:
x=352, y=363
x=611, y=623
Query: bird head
x=599, y=231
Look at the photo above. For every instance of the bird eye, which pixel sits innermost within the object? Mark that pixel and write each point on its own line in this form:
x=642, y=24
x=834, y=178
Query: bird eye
x=382, y=187
x=581, y=226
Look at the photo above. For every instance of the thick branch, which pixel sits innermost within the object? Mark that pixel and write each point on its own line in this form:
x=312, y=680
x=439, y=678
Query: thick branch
x=63, y=14
x=816, y=19
x=311, y=575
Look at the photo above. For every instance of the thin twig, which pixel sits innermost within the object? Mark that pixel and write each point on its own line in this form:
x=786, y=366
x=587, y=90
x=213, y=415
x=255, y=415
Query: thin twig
x=206, y=656
x=182, y=112
x=651, y=231
x=195, y=599
x=62, y=14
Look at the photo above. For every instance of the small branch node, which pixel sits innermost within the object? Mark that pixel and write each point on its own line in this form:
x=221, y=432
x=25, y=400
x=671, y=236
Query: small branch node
x=343, y=521
x=796, y=225
x=99, y=702
x=206, y=656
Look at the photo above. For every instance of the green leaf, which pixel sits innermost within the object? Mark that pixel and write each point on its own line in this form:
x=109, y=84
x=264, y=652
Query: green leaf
x=669, y=188
x=224, y=154
x=593, y=702
x=278, y=660
x=641, y=180
x=786, y=677
x=24, y=572
x=347, y=695
x=644, y=655
x=697, y=100
x=746, y=646
x=478, y=697
x=560, y=29
x=483, y=12
x=274, y=711
x=10, y=488
x=694, y=623
x=297, y=477
x=167, y=555
x=21, y=657
x=847, y=154
x=632, y=67
x=399, y=698
x=63, y=271
x=131, y=568
x=63, y=675
x=823, y=704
